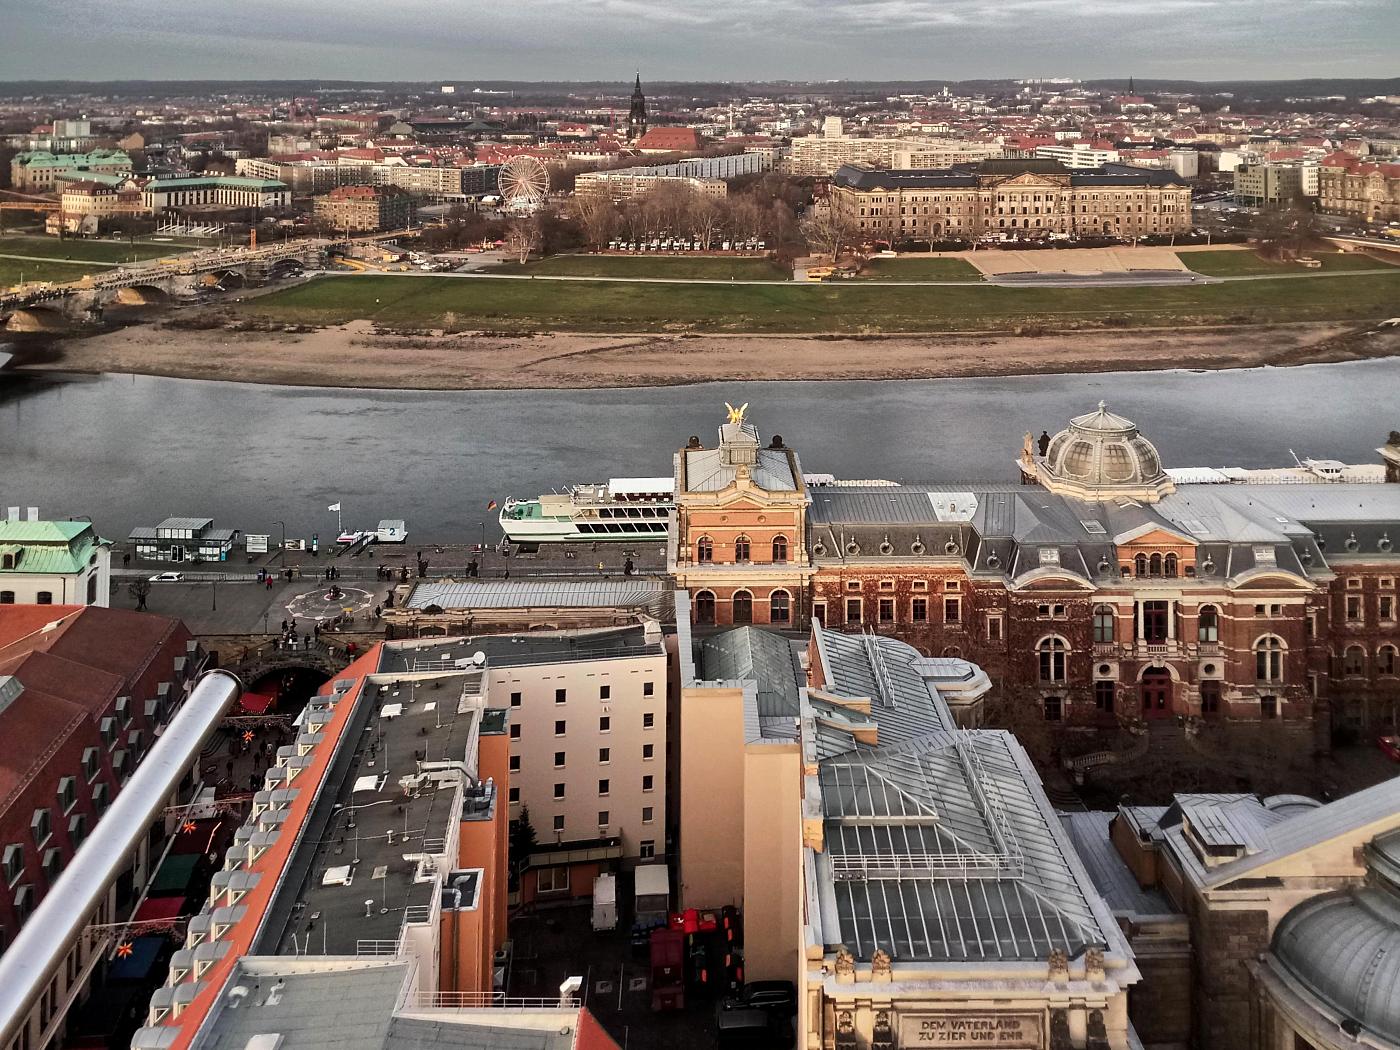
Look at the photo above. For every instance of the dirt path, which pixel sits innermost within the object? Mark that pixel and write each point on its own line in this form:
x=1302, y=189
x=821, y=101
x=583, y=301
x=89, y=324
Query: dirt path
x=358, y=355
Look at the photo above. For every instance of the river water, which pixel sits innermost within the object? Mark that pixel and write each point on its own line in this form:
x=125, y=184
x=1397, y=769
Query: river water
x=131, y=450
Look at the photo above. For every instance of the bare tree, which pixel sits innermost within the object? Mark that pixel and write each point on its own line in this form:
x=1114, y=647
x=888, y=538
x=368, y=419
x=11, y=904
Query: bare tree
x=827, y=230
x=1287, y=230
x=707, y=219
x=522, y=237
x=599, y=218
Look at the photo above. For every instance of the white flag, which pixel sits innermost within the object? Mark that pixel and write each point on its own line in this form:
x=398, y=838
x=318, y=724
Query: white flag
x=333, y=506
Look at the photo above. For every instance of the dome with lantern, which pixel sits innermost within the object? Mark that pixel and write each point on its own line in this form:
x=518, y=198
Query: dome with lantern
x=1101, y=455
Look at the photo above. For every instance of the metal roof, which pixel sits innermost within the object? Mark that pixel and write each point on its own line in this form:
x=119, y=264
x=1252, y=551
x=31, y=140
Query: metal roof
x=939, y=842
x=549, y=594
x=1090, y=834
x=750, y=654
x=186, y=523
x=706, y=471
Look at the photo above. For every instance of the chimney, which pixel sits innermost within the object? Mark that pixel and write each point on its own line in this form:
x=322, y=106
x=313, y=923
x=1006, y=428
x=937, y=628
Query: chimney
x=12, y=514
x=33, y=514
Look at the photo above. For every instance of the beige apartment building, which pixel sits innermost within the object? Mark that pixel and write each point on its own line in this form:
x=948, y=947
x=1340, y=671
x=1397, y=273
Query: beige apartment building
x=826, y=153
x=1012, y=198
x=627, y=183
x=588, y=729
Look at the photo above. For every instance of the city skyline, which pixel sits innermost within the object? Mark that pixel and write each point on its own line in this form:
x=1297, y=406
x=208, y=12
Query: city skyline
x=727, y=40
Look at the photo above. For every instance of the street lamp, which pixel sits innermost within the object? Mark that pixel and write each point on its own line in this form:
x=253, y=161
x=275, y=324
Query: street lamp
x=282, y=550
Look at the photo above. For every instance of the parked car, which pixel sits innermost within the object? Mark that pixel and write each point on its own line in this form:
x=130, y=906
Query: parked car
x=167, y=577
x=776, y=997
x=1390, y=745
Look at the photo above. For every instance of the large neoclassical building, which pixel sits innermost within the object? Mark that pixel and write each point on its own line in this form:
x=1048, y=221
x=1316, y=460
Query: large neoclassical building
x=1026, y=199
x=1094, y=582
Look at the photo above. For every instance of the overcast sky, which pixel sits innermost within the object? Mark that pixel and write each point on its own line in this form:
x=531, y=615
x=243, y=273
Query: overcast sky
x=463, y=40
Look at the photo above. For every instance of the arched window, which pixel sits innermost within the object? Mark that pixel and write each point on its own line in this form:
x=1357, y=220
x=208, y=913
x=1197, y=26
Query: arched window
x=1140, y=565
x=743, y=607
x=780, y=548
x=92, y=589
x=44, y=598
x=1385, y=660
x=1268, y=659
x=1208, y=624
x=705, y=550
x=779, y=607
x=741, y=548
x=1354, y=660
x=1154, y=565
x=705, y=607
x=7, y=561
x=1052, y=652
x=1103, y=623
x=1170, y=562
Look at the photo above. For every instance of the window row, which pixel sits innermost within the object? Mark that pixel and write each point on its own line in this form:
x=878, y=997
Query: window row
x=604, y=788
x=743, y=549
x=887, y=610
x=561, y=694
x=604, y=753
x=742, y=607
x=1354, y=660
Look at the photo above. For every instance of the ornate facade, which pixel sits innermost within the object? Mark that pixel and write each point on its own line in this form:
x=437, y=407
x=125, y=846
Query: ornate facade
x=740, y=545
x=1097, y=588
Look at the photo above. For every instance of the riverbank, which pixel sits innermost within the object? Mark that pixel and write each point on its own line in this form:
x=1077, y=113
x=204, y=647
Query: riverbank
x=360, y=354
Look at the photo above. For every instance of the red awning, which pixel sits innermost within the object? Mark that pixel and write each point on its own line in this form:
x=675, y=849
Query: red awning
x=256, y=703
x=158, y=908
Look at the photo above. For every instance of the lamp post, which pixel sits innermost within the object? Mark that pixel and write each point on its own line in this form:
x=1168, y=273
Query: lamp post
x=282, y=550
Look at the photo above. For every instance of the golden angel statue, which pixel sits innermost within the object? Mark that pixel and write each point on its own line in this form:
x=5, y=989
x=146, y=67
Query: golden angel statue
x=736, y=415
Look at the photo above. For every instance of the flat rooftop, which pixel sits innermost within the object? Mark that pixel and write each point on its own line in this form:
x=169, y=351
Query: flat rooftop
x=629, y=593
x=350, y=1005
x=514, y=650
x=357, y=878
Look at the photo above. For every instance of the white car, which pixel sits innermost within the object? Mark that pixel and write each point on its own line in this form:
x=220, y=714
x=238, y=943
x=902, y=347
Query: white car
x=167, y=577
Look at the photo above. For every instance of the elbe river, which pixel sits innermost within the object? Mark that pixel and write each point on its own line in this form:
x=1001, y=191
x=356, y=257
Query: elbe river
x=131, y=450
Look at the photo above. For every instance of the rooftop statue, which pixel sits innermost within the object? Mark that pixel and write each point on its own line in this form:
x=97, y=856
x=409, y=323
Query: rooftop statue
x=736, y=415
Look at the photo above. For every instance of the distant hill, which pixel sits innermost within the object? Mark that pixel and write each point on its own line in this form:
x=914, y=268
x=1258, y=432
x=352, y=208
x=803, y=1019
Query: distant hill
x=1262, y=90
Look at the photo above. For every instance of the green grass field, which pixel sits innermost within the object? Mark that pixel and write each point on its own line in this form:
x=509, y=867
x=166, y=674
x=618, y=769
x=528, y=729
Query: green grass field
x=11, y=270
x=1245, y=263
x=462, y=303
x=679, y=267
x=85, y=251
x=920, y=270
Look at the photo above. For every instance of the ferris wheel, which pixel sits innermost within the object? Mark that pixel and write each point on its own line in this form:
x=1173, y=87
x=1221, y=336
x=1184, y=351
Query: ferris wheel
x=524, y=181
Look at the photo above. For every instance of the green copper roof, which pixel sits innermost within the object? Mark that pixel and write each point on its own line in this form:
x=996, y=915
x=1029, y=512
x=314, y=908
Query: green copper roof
x=47, y=547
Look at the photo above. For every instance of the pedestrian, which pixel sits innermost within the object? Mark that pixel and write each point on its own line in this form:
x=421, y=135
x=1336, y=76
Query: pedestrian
x=377, y=610
x=306, y=642
x=284, y=626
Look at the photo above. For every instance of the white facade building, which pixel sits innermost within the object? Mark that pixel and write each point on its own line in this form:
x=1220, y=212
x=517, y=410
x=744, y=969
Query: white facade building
x=52, y=562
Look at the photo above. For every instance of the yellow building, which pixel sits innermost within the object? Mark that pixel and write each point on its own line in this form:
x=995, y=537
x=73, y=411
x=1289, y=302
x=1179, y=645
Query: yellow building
x=1026, y=199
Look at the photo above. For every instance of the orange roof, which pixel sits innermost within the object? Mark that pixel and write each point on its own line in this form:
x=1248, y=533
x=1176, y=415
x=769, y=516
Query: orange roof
x=670, y=139
x=271, y=864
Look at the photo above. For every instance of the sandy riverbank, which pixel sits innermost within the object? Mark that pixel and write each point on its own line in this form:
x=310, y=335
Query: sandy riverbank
x=358, y=355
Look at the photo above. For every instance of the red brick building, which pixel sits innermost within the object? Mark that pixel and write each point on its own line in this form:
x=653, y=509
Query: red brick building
x=84, y=691
x=1098, y=587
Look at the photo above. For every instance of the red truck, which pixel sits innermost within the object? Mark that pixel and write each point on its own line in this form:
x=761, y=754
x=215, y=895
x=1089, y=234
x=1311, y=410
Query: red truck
x=667, y=970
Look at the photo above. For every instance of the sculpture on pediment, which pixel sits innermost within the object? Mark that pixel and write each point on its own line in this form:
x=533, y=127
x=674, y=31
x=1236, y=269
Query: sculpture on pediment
x=845, y=964
x=881, y=965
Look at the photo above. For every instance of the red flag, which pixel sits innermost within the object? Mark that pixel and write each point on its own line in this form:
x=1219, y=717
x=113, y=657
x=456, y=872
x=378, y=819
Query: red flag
x=491, y=505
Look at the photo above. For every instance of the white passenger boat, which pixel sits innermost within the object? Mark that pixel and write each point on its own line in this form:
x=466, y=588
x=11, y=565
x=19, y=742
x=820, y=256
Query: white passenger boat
x=622, y=509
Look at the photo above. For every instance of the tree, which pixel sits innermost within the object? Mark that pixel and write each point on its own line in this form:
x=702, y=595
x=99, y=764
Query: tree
x=827, y=230
x=522, y=237
x=139, y=589
x=1286, y=230
x=599, y=218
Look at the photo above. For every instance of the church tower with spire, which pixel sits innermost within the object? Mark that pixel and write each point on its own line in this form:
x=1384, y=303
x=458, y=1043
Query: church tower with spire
x=637, y=116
